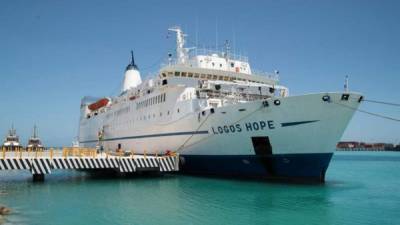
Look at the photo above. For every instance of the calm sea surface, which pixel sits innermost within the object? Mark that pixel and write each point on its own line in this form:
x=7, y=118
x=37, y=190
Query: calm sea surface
x=361, y=188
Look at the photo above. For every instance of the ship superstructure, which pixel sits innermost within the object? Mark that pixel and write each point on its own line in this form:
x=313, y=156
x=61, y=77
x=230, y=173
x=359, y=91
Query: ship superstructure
x=11, y=141
x=34, y=142
x=221, y=116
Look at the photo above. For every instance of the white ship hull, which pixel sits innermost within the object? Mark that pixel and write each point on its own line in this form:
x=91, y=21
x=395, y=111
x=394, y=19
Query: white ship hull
x=298, y=136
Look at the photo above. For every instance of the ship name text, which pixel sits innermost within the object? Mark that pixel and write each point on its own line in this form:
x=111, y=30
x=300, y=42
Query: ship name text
x=246, y=127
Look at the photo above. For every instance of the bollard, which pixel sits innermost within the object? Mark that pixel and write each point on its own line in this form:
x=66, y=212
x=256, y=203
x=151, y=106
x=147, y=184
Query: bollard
x=51, y=153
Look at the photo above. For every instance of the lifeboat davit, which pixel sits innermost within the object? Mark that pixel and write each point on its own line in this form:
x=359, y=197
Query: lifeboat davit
x=99, y=104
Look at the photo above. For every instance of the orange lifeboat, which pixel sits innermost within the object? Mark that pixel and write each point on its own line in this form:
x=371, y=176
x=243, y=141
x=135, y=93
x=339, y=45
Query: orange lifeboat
x=100, y=103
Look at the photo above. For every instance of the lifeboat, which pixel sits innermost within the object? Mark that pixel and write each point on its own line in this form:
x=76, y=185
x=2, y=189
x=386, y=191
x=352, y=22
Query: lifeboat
x=99, y=104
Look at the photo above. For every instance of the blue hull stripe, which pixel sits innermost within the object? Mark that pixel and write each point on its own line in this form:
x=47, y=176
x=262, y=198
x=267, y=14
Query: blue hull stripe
x=311, y=166
x=297, y=123
x=184, y=133
x=150, y=136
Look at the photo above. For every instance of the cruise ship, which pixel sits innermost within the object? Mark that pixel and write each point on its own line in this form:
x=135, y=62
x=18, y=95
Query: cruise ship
x=221, y=117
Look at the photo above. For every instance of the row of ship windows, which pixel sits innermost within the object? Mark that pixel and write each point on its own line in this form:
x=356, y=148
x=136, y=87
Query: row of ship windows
x=205, y=76
x=140, y=118
x=151, y=101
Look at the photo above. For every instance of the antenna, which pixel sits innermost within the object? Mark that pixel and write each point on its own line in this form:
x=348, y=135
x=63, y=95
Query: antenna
x=346, y=84
x=234, y=40
x=12, y=131
x=34, y=131
x=216, y=34
x=227, y=49
x=197, y=30
x=133, y=58
x=132, y=64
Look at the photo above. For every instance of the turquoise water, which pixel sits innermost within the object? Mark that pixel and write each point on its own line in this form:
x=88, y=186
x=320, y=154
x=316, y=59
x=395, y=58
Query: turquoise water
x=361, y=188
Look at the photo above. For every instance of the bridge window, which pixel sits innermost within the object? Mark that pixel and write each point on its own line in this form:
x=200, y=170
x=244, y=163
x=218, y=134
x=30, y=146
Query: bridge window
x=196, y=75
x=177, y=74
x=203, y=76
x=190, y=74
x=183, y=74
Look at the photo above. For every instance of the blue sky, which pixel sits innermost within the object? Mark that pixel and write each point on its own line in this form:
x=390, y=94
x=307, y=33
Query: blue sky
x=54, y=52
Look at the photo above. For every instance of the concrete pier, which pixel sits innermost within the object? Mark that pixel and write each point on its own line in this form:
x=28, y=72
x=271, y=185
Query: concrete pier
x=42, y=163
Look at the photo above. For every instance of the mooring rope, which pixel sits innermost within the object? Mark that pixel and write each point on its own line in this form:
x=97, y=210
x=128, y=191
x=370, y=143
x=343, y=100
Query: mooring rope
x=198, y=128
x=382, y=102
x=369, y=113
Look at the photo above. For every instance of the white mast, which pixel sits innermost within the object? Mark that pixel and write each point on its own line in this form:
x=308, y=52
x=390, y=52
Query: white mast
x=181, y=52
